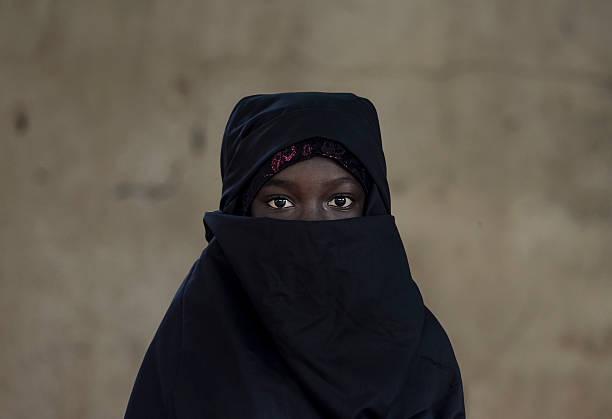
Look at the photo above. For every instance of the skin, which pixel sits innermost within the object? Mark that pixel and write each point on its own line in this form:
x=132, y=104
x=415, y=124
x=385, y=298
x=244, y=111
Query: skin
x=313, y=189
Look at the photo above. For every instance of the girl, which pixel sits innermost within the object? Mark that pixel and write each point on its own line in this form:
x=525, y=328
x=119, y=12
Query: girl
x=302, y=304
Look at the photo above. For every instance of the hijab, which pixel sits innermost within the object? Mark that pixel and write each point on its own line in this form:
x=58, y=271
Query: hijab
x=262, y=125
x=299, y=319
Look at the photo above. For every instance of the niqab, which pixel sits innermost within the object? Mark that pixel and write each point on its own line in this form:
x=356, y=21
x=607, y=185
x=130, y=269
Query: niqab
x=299, y=319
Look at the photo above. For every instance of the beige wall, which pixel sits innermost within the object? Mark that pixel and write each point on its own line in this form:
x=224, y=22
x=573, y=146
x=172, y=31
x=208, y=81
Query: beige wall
x=497, y=123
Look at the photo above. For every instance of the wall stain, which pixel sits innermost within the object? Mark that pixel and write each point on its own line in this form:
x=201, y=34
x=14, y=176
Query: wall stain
x=124, y=190
x=21, y=121
x=595, y=347
x=41, y=175
x=182, y=85
x=398, y=186
x=151, y=191
x=197, y=141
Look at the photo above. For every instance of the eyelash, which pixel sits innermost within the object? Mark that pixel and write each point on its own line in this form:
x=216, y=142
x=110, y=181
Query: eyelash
x=344, y=195
x=276, y=197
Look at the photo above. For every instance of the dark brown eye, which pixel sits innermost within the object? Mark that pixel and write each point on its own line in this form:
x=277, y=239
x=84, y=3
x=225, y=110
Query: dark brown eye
x=278, y=203
x=340, y=202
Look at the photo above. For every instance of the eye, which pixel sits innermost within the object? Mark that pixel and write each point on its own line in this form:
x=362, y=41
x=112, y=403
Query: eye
x=341, y=202
x=279, y=202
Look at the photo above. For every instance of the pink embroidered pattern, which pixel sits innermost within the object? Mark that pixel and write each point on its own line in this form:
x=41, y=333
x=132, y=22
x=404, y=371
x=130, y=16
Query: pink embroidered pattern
x=282, y=156
x=307, y=150
x=334, y=151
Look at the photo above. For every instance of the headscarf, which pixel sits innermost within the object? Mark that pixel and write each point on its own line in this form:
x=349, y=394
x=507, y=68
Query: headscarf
x=299, y=319
x=262, y=125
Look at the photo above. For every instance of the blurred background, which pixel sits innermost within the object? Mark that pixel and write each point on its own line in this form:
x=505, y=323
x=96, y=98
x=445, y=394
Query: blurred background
x=497, y=125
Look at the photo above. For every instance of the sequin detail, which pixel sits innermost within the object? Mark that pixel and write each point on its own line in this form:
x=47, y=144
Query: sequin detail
x=282, y=157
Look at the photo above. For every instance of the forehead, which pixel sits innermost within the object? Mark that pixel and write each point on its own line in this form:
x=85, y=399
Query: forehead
x=316, y=168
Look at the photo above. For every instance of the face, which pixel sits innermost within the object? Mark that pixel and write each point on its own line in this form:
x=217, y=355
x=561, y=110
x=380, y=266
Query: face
x=313, y=189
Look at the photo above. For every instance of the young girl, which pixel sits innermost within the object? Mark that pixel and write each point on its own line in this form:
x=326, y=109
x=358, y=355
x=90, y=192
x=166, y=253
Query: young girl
x=302, y=304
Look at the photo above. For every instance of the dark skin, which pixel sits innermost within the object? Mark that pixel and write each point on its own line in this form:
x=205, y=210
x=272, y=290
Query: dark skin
x=313, y=189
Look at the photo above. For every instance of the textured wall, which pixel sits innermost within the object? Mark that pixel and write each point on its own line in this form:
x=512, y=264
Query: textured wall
x=497, y=123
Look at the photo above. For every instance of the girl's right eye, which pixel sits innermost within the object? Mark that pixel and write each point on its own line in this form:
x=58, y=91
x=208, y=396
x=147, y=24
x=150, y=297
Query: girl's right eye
x=278, y=203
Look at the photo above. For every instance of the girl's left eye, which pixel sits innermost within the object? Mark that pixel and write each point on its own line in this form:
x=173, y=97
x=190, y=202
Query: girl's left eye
x=341, y=202
x=279, y=202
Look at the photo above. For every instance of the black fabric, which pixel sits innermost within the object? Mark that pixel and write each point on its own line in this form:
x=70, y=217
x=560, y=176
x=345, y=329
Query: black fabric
x=262, y=125
x=299, y=319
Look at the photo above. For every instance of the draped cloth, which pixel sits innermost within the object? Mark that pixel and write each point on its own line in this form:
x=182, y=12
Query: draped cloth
x=299, y=319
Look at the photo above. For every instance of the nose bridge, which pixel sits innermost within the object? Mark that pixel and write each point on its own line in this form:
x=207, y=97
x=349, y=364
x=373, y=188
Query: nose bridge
x=312, y=211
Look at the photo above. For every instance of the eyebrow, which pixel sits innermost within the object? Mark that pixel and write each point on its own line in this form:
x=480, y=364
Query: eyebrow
x=336, y=181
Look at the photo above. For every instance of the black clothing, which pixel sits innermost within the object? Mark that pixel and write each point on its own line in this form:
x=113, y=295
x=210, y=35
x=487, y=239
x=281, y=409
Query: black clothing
x=299, y=319
x=262, y=125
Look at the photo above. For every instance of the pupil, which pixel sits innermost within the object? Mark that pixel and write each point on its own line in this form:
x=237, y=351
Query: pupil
x=340, y=201
x=280, y=202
